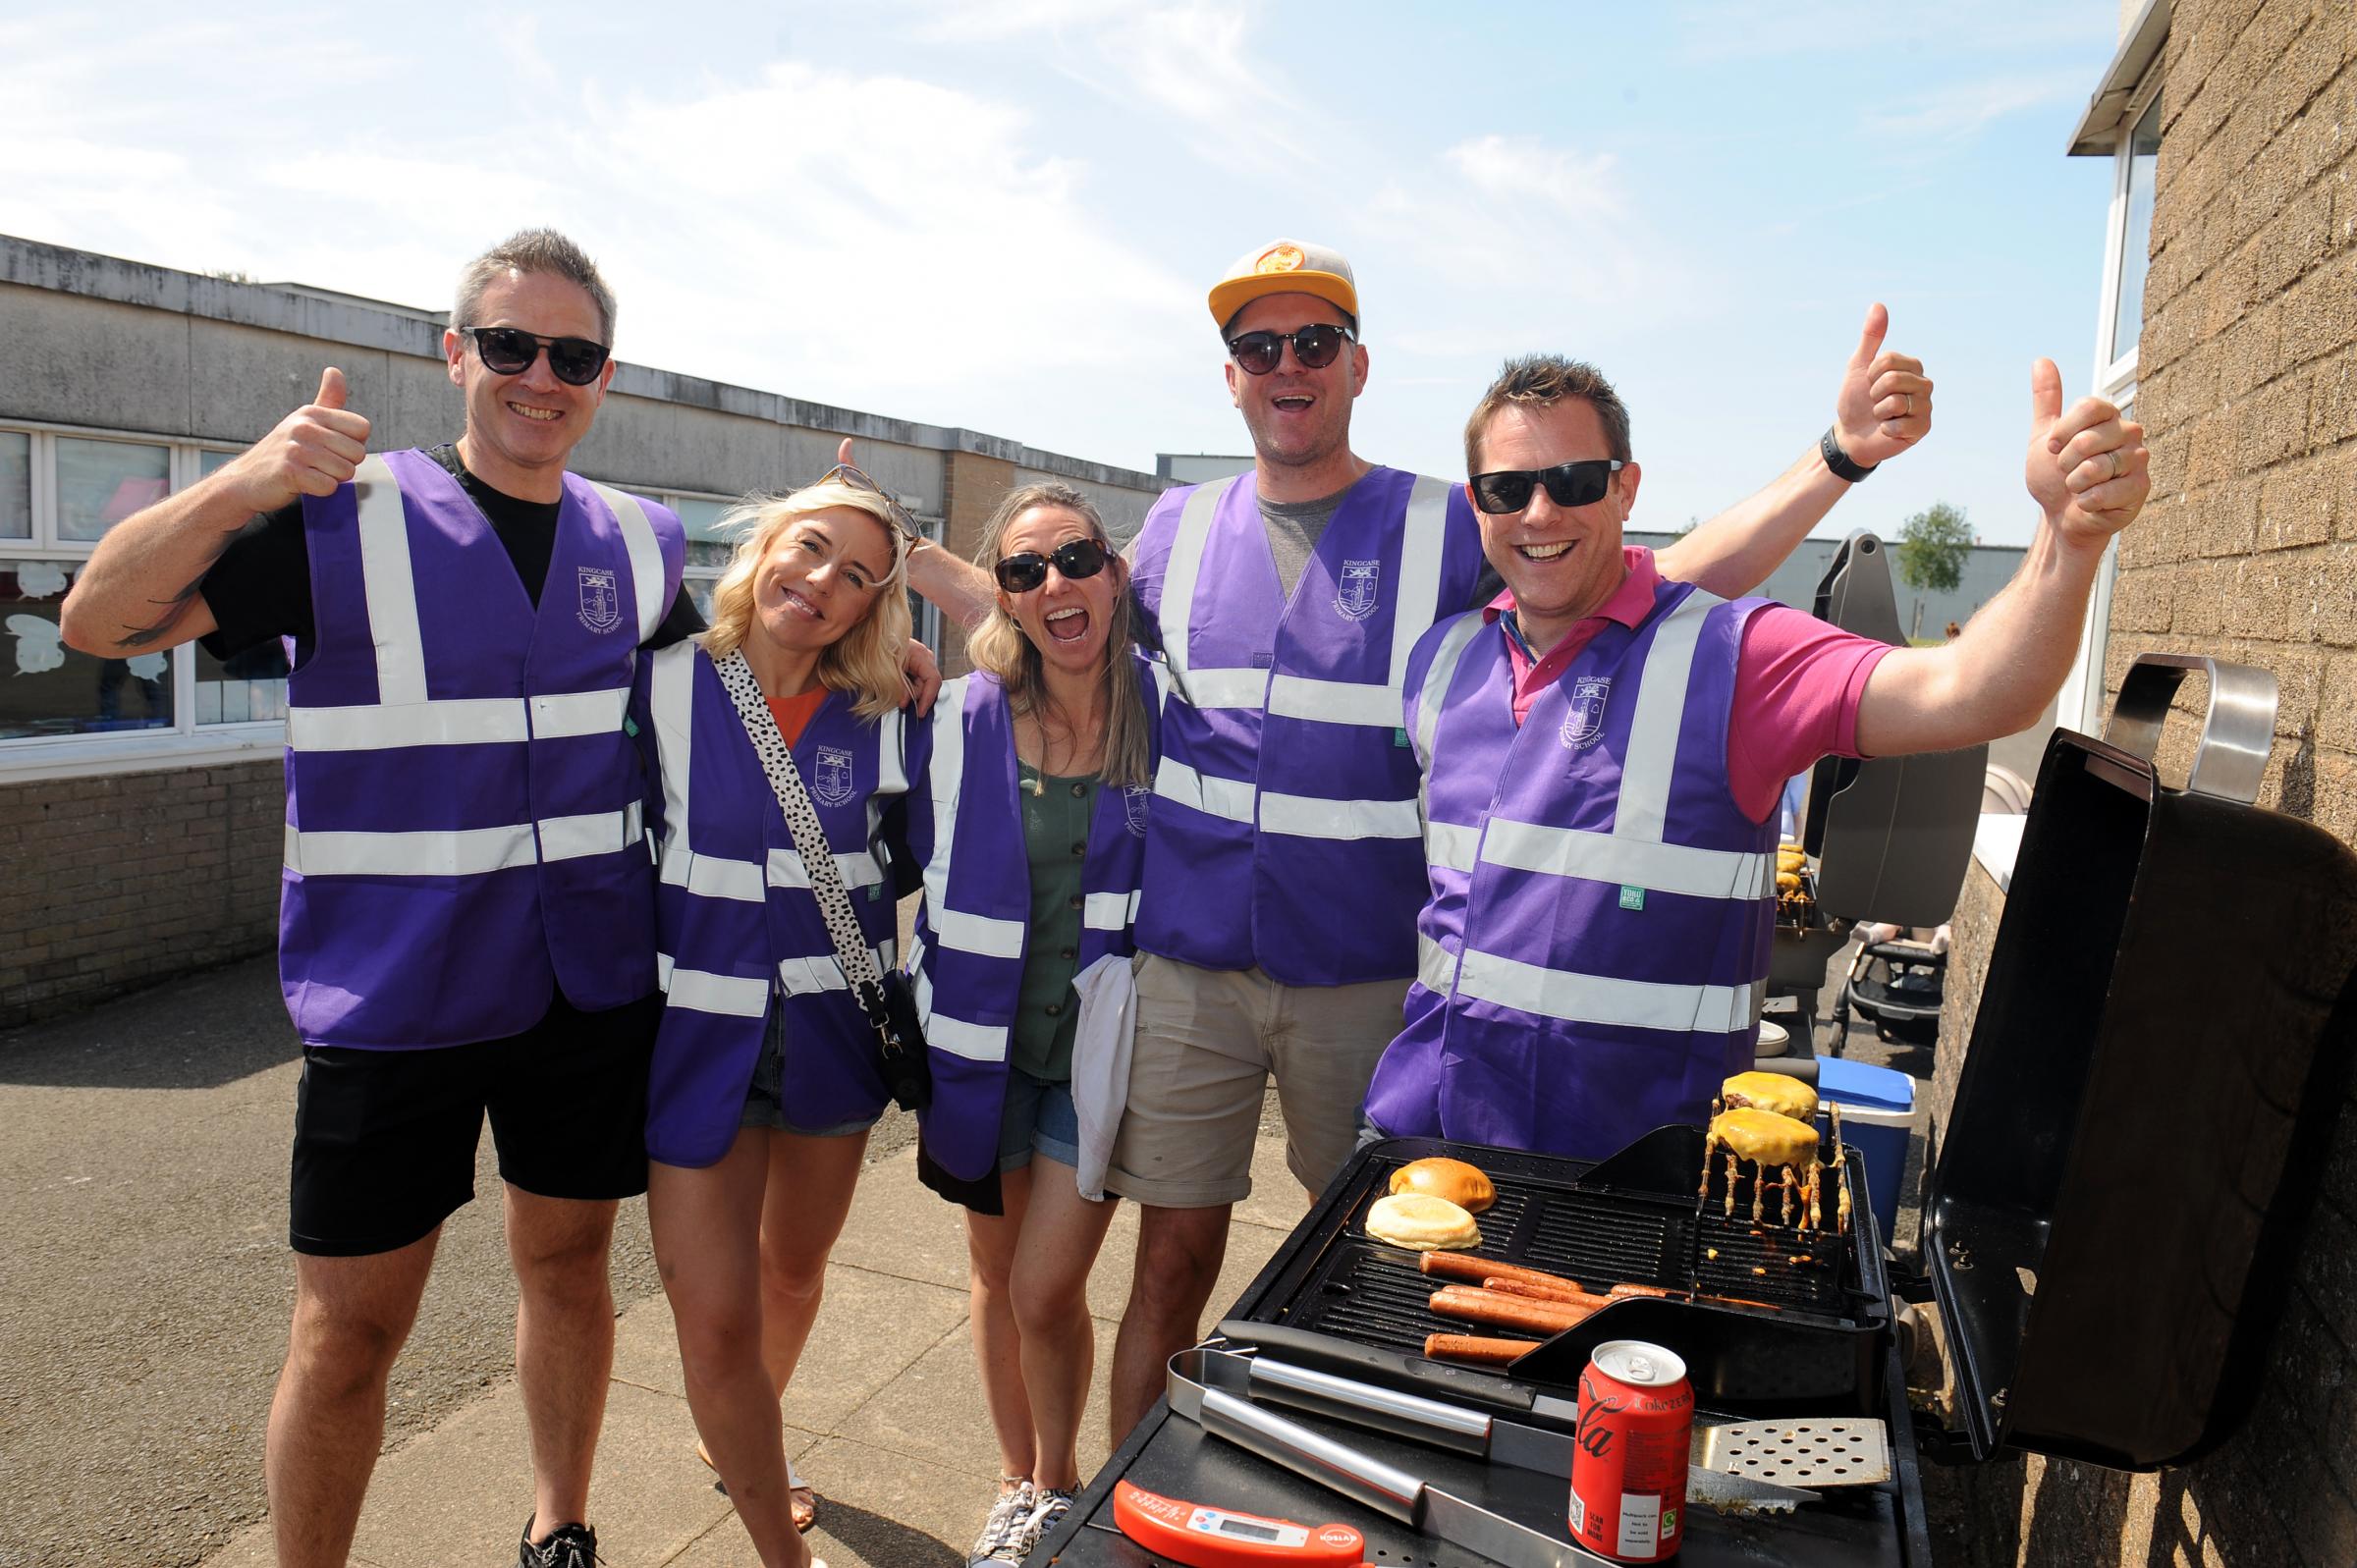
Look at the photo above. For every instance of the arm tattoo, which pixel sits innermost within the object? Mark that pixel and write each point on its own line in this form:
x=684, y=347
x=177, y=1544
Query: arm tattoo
x=173, y=608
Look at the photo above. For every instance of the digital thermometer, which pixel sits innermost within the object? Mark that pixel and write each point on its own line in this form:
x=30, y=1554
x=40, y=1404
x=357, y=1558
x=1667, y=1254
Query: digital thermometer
x=1215, y=1538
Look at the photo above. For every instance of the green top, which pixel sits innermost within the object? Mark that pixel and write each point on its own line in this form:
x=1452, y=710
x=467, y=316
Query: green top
x=1056, y=818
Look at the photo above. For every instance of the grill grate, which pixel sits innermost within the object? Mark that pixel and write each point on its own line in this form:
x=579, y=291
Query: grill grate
x=1375, y=1295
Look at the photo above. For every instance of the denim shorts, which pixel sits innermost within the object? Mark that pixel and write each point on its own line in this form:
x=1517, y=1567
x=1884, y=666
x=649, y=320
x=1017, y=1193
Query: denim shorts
x=763, y=1106
x=1039, y=1116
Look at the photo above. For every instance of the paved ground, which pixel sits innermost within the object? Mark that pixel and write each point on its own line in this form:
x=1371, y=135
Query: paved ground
x=147, y=1284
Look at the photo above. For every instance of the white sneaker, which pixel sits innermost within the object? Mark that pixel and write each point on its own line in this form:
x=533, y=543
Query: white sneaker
x=1008, y=1516
x=1049, y=1506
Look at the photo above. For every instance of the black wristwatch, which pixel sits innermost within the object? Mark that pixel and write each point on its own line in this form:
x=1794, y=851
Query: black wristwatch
x=1830, y=449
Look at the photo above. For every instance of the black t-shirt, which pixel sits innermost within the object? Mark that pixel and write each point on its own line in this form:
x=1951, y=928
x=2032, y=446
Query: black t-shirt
x=260, y=589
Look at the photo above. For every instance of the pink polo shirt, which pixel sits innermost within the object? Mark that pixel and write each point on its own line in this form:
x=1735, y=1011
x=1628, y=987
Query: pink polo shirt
x=1797, y=683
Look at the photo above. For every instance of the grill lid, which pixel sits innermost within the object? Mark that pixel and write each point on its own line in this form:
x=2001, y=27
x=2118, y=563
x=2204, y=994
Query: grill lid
x=1893, y=834
x=2156, y=1060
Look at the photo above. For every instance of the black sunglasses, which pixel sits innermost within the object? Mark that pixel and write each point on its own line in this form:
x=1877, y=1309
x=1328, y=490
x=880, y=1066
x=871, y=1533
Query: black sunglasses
x=1569, y=484
x=1075, y=558
x=510, y=351
x=1256, y=354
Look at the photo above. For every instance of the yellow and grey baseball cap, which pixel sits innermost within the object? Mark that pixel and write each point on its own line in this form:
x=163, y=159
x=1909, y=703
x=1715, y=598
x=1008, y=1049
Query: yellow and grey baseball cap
x=1287, y=266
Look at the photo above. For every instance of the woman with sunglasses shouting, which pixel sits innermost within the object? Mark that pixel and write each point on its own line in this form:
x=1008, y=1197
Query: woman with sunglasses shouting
x=1038, y=777
x=780, y=727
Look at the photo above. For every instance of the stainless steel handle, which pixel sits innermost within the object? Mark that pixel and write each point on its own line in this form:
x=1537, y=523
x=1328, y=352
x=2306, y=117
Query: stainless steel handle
x=2237, y=732
x=1403, y=1415
x=1386, y=1488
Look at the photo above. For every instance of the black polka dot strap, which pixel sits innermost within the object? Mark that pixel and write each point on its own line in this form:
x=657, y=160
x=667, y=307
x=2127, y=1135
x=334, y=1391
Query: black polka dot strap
x=810, y=840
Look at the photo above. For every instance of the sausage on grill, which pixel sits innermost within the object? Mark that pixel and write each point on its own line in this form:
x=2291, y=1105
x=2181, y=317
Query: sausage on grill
x=1472, y=1348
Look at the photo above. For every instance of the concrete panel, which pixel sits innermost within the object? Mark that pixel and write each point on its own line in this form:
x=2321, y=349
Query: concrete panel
x=92, y=362
x=241, y=380
x=419, y=407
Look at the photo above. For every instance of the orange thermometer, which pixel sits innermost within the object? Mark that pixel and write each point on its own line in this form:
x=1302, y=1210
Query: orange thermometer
x=1214, y=1537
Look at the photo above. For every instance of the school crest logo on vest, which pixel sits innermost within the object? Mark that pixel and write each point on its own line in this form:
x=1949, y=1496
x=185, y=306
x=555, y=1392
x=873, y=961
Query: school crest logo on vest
x=1136, y=799
x=832, y=782
x=601, y=605
x=1585, y=721
x=1361, y=586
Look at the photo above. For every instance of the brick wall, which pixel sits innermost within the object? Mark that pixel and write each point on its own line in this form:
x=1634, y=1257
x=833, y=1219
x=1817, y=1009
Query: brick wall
x=2248, y=551
x=971, y=487
x=111, y=883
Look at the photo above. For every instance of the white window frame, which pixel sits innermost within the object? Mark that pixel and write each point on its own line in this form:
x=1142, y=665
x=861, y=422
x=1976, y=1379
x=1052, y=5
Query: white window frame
x=184, y=742
x=2080, y=704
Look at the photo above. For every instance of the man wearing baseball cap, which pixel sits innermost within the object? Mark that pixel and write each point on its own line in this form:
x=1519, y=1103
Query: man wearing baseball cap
x=1283, y=858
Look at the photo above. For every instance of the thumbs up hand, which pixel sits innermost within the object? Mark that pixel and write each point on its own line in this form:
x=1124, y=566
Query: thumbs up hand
x=1884, y=405
x=2088, y=469
x=311, y=452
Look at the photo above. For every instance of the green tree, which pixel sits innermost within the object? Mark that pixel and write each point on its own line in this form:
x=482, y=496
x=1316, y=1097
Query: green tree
x=1933, y=546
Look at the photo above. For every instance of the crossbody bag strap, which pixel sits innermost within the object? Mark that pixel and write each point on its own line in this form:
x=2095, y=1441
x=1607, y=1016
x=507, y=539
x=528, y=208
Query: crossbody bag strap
x=809, y=836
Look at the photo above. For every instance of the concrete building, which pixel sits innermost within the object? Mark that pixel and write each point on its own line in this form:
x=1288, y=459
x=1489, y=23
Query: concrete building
x=1199, y=467
x=2228, y=320
x=141, y=800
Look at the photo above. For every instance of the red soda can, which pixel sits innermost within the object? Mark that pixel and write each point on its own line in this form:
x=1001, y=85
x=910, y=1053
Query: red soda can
x=1629, y=1473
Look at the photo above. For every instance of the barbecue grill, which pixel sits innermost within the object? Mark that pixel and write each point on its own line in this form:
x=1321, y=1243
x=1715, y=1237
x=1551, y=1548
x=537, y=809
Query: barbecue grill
x=2161, y=1049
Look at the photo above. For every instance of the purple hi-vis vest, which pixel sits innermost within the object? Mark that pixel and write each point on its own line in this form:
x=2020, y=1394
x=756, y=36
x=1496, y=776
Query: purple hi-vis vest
x=463, y=804
x=973, y=932
x=735, y=921
x=1600, y=909
x=1285, y=829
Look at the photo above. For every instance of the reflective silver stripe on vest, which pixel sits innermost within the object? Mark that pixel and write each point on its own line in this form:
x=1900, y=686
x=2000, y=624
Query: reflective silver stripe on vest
x=389, y=583
x=646, y=556
x=1436, y=966
x=1421, y=553
x=948, y=774
x=1109, y=912
x=1646, y=772
x=457, y=722
x=596, y=833
x=858, y=869
x=959, y=1038
x=1452, y=845
x=1436, y=675
x=1310, y=817
x=710, y=876
x=1230, y=798
x=671, y=701
x=464, y=852
x=1339, y=702
x=1610, y=857
x=979, y=934
x=1217, y=689
x=1603, y=999
x=702, y=990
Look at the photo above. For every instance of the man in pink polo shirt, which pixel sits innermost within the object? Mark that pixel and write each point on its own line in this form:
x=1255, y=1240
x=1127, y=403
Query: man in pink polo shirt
x=1603, y=750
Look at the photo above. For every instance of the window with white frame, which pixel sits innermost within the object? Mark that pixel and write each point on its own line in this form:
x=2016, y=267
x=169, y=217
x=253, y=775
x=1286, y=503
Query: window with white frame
x=2119, y=324
x=61, y=489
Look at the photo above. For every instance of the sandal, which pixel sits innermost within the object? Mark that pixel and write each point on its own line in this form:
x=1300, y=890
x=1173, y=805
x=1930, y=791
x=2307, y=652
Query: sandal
x=801, y=1498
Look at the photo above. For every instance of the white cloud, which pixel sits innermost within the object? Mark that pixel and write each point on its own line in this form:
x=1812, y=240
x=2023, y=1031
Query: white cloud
x=1962, y=111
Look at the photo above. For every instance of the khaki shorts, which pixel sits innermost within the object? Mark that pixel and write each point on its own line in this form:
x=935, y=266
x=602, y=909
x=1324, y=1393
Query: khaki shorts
x=1207, y=1042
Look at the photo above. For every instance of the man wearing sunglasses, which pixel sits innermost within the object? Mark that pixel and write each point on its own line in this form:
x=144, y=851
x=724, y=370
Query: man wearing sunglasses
x=1284, y=866
x=1603, y=749
x=468, y=922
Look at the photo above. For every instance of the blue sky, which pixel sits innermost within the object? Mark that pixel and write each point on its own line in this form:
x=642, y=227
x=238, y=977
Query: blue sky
x=1003, y=214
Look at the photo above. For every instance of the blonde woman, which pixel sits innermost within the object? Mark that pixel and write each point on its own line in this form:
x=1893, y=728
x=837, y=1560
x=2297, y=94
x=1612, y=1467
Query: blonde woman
x=1038, y=774
x=764, y=1082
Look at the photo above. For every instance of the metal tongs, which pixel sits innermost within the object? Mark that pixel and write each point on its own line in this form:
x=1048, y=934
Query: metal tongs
x=1217, y=1390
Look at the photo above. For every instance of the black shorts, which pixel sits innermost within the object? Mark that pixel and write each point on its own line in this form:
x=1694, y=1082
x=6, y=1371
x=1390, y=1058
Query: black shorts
x=385, y=1140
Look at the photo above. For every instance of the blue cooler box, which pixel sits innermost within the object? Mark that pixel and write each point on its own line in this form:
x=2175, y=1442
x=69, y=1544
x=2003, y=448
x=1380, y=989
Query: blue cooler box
x=1878, y=1111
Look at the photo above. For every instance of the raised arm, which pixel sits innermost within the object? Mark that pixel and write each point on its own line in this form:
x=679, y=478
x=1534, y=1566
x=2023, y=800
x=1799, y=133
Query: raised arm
x=139, y=591
x=1884, y=407
x=2088, y=471
x=957, y=588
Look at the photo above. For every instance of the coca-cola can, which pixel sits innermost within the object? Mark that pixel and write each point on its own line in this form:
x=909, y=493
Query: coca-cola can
x=1629, y=1473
